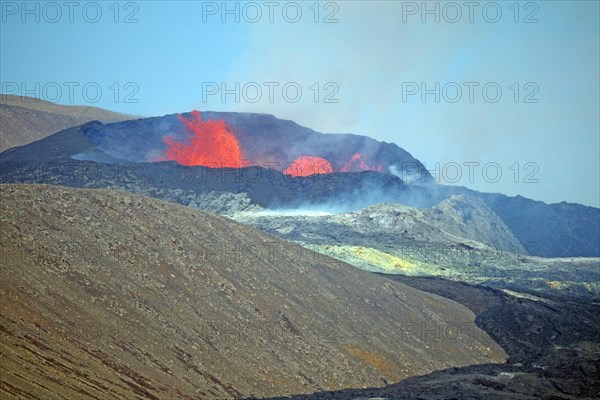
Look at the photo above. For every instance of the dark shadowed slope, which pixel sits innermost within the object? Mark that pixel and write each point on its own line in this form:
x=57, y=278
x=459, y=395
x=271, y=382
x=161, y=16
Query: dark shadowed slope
x=111, y=295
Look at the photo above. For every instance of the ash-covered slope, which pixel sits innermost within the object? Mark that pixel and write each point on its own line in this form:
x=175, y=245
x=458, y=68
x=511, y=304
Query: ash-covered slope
x=26, y=119
x=112, y=295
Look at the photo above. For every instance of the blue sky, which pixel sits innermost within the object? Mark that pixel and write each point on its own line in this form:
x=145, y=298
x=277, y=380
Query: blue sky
x=542, y=135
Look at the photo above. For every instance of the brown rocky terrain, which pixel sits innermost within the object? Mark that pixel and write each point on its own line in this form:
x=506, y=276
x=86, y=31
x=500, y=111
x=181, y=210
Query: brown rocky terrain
x=26, y=119
x=553, y=347
x=110, y=295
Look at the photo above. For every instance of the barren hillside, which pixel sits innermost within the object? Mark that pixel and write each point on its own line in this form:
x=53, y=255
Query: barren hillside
x=24, y=119
x=111, y=295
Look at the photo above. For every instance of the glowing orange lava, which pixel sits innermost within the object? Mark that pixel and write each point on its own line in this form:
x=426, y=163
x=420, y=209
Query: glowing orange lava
x=360, y=162
x=309, y=165
x=211, y=144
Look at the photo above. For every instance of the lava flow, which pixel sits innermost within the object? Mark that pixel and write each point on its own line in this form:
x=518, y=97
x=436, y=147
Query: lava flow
x=209, y=143
x=309, y=165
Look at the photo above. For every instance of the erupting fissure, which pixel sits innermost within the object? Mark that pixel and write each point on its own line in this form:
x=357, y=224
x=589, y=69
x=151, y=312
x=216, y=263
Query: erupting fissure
x=213, y=144
x=360, y=162
x=209, y=143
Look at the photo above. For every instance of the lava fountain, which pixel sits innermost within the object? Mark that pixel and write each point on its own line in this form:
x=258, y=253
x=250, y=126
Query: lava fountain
x=360, y=162
x=213, y=144
x=309, y=165
x=208, y=143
